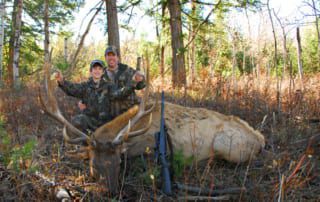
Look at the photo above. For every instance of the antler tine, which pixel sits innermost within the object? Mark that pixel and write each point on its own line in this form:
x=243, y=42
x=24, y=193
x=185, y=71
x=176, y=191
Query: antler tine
x=51, y=108
x=73, y=141
x=142, y=112
x=143, y=130
x=125, y=132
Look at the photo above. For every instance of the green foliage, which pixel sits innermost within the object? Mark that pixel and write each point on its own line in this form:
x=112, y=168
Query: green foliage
x=248, y=66
x=17, y=156
x=309, y=51
x=150, y=49
x=180, y=162
x=22, y=154
x=3, y=133
x=153, y=173
x=31, y=51
x=61, y=64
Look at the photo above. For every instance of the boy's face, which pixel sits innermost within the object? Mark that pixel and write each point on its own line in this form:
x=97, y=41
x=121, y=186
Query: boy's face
x=96, y=72
x=112, y=60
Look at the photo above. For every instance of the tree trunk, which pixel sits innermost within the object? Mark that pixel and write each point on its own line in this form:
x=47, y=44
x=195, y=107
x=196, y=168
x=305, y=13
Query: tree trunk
x=285, y=53
x=275, y=57
x=250, y=42
x=112, y=20
x=2, y=14
x=234, y=62
x=161, y=43
x=14, y=45
x=46, y=31
x=244, y=56
x=178, y=64
x=193, y=44
x=317, y=28
x=66, y=49
x=299, y=57
x=285, y=49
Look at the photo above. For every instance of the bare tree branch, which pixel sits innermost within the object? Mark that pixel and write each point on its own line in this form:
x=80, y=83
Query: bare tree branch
x=204, y=21
x=74, y=60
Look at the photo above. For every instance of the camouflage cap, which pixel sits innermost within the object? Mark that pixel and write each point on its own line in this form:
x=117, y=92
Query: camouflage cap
x=97, y=62
x=111, y=49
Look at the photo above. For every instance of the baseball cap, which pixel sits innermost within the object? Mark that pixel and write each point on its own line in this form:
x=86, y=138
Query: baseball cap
x=111, y=49
x=97, y=62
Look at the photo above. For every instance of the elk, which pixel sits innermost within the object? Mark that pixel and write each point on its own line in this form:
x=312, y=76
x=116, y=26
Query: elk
x=104, y=145
x=198, y=131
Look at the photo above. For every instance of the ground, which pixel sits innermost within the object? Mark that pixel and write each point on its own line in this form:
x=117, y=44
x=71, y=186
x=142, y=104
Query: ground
x=33, y=164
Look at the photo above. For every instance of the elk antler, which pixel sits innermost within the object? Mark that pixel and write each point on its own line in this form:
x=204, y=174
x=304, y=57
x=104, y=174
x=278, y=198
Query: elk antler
x=124, y=132
x=51, y=108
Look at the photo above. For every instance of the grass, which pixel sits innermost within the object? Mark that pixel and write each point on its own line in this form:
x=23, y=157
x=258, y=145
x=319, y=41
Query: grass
x=253, y=100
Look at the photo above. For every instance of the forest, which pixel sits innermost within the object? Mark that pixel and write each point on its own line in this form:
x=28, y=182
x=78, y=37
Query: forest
x=250, y=65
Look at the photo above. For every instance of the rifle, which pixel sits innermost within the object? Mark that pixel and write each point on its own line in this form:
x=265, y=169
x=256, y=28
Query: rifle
x=161, y=150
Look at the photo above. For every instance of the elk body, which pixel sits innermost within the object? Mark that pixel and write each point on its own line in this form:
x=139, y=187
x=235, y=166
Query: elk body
x=201, y=133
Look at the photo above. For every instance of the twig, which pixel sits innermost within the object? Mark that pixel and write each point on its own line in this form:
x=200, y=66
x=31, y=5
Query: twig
x=206, y=191
x=124, y=173
x=281, y=189
x=246, y=174
x=194, y=198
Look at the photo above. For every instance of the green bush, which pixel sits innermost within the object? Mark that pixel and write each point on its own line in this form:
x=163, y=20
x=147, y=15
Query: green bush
x=22, y=154
x=180, y=162
x=15, y=156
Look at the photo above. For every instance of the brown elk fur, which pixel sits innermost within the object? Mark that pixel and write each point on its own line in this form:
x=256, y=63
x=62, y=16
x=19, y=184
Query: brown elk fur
x=198, y=131
x=111, y=129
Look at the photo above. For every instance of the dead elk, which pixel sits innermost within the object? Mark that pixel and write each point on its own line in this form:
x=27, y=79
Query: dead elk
x=201, y=133
x=104, y=145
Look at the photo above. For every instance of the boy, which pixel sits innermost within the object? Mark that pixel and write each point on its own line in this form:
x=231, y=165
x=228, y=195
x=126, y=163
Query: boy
x=94, y=94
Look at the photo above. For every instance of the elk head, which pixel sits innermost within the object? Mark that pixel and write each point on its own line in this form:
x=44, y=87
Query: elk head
x=104, y=145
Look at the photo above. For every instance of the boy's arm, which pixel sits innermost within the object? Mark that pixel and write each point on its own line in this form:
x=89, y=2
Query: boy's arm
x=73, y=89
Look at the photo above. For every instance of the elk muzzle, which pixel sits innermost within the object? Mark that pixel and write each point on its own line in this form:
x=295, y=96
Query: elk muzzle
x=105, y=159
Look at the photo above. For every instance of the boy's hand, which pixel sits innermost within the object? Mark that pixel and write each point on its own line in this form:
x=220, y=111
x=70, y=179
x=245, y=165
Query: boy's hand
x=59, y=76
x=138, y=77
x=81, y=105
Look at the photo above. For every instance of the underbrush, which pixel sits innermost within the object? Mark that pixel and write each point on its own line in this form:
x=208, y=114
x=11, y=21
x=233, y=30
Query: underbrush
x=287, y=167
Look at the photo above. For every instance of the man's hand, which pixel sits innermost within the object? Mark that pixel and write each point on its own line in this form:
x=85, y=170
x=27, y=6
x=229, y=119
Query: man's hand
x=59, y=77
x=81, y=105
x=138, y=76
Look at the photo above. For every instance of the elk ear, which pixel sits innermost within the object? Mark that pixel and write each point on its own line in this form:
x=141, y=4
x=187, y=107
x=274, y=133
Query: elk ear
x=93, y=143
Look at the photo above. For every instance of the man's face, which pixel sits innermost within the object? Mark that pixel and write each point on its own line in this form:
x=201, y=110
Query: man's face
x=96, y=72
x=112, y=60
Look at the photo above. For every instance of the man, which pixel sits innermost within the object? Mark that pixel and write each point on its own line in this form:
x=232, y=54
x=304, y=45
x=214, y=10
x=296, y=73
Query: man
x=94, y=94
x=125, y=81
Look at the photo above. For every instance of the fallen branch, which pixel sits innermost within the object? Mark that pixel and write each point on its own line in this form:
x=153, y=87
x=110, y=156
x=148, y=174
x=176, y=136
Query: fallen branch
x=313, y=140
x=206, y=191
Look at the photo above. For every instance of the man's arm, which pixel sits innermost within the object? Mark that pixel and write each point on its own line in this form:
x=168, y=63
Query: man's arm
x=135, y=81
x=140, y=80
